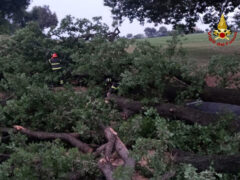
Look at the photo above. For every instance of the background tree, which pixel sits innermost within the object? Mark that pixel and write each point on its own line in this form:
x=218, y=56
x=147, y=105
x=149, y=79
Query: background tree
x=43, y=16
x=162, y=31
x=150, y=32
x=13, y=8
x=172, y=12
x=11, y=11
x=198, y=30
x=138, y=36
x=236, y=18
x=129, y=36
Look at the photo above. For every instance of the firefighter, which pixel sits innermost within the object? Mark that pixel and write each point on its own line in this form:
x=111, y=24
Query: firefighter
x=56, y=66
x=111, y=85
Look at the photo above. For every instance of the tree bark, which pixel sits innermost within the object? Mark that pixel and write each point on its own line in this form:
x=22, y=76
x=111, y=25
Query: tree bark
x=221, y=163
x=63, y=136
x=114, y=144
x=229, y=96
x=211, y=94
x=189, y=115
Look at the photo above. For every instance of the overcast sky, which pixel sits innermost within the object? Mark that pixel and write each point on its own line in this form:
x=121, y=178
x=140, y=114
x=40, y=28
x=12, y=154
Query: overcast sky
x=90, y=8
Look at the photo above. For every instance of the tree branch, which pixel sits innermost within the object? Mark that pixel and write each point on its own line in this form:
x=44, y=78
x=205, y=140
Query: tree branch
x=114, y=143
x=63, y=136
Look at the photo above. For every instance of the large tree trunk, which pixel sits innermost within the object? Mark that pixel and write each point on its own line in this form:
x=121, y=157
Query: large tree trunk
x=211, y=94
x=230, y=96
x=189, y=115
x=221, y=163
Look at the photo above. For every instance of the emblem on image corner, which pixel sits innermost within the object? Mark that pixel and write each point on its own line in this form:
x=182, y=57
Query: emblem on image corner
x=222, y=36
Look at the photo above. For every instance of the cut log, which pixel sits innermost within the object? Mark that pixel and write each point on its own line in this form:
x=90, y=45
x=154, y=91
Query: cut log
x=187, y=114
x=114, y=144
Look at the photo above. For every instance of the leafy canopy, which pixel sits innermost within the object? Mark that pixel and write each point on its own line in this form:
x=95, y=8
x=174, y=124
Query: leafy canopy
x=172, y=12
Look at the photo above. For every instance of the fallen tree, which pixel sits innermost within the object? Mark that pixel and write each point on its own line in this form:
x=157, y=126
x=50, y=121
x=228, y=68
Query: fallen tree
x=187, y=114
x=220, y=163
x=230, y=96
x=105, y=163
x=211, y=94
x=114, y=149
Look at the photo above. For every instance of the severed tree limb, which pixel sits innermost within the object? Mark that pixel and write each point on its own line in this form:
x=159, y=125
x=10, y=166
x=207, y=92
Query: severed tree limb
x=107, y=168
x=63, y=136
x=119, y=146
x=114, y=144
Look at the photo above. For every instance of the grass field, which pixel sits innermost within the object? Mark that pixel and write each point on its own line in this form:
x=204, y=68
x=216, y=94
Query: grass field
x=199, y=48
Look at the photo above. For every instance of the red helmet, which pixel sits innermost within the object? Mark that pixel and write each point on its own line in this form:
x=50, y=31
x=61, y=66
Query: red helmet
x=54, y=55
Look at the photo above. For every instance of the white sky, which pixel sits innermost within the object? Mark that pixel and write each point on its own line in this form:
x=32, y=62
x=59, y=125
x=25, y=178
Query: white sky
x=90, y=8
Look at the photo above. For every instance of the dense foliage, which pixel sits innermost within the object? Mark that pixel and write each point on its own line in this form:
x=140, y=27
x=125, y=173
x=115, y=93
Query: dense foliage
x=143, y=72
x=172, y=12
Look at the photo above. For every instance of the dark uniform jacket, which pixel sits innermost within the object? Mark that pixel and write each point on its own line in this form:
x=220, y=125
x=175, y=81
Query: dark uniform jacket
x=55, y=63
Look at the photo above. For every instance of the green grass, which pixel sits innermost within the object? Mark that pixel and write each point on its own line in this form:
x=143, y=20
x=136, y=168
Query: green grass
x=198, y=47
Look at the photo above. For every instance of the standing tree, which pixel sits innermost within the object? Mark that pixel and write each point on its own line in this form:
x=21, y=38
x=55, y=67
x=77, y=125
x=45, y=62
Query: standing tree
x=43, y=16
x=129, y=36
x=13, y=8
x=172, y=12
x=11, y=11
x=150, y=32
x=236, y=18
x=138, y=36
x=162, y=31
